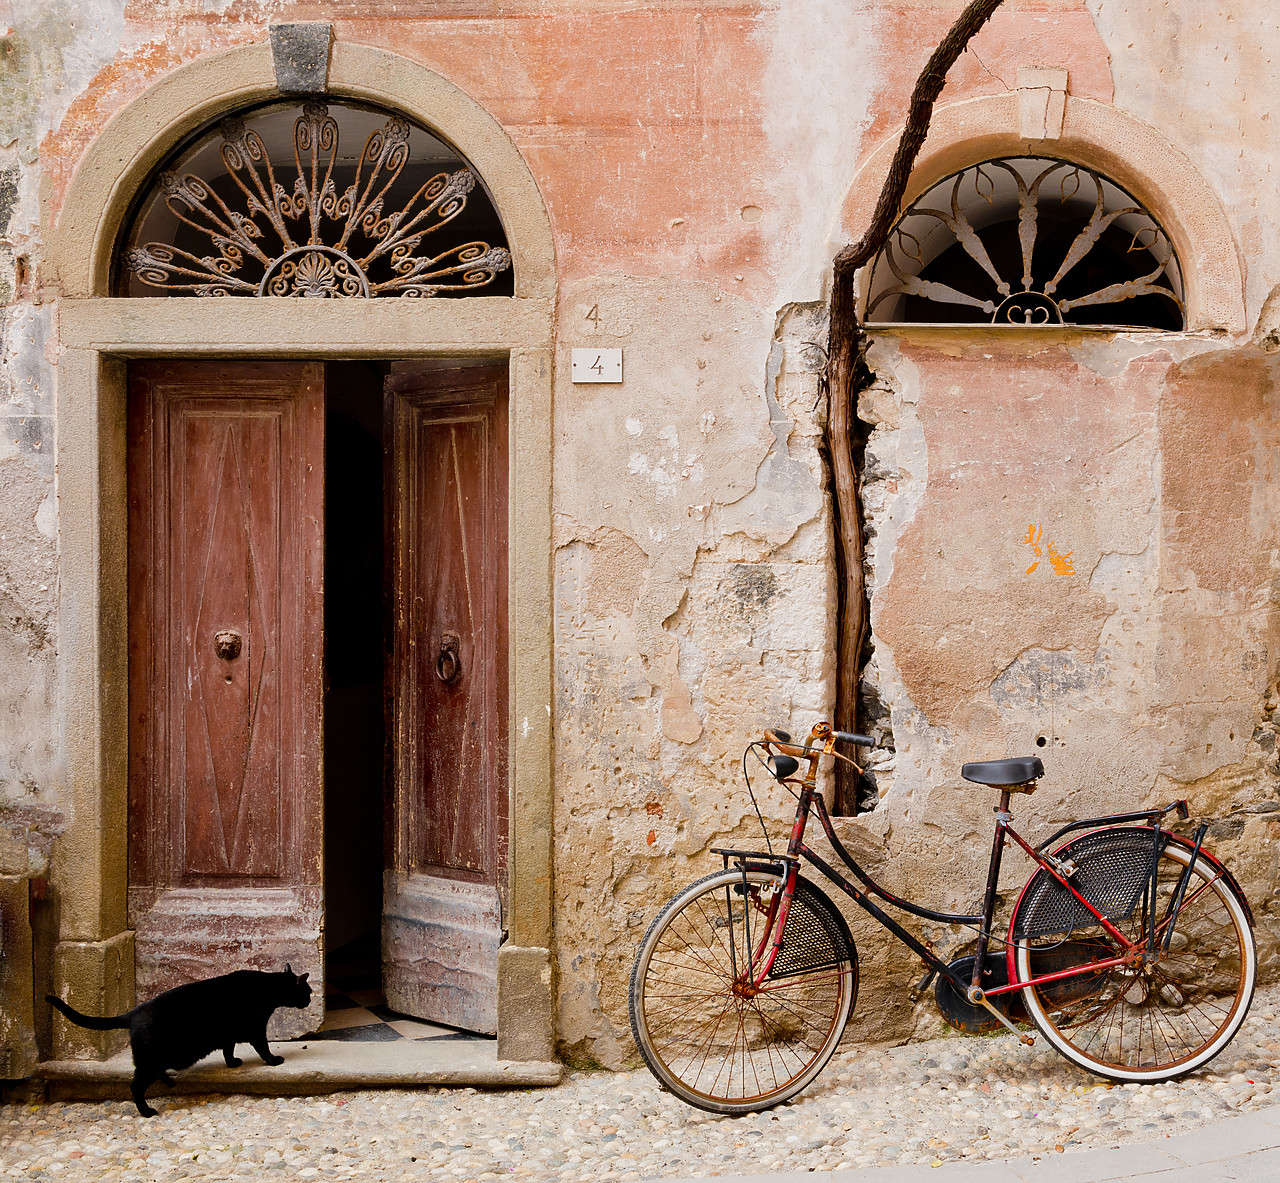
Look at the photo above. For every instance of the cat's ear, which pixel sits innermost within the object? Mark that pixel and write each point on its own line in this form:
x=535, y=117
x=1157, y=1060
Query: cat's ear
x=303, y=978
x=288, y=968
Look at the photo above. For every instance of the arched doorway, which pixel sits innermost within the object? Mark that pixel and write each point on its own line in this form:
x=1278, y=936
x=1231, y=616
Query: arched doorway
x=115, y=344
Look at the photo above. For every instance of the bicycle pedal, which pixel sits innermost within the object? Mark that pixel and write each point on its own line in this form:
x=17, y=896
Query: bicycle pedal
x=917, y=991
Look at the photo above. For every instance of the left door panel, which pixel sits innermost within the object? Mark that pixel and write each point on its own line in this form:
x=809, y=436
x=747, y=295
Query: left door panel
x=226, y=488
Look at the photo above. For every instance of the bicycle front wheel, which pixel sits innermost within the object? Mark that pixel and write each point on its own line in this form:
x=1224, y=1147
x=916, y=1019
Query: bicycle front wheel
x=706, y=1031
x=1144, y=1019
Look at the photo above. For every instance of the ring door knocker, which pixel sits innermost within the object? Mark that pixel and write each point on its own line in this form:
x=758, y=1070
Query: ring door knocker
x=449, y=663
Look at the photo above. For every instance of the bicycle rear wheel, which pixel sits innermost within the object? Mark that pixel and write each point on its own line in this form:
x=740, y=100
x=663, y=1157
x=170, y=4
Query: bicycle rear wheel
x=1142, y=1020
x=704, y=1031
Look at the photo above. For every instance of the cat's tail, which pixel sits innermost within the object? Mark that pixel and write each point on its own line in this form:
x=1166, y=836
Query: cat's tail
x=89, y=1021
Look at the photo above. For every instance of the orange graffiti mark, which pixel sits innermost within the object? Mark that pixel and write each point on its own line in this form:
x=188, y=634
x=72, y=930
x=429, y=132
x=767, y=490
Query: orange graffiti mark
x=1061, y=563
x=654, y=808
x=652, y=838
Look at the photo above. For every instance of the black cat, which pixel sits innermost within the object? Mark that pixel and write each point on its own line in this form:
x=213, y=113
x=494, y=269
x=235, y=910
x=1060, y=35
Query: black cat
x=183, y=1025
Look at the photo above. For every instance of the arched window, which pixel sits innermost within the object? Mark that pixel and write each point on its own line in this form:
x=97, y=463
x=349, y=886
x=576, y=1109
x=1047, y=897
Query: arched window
x=1027, y=241
x=317, y=199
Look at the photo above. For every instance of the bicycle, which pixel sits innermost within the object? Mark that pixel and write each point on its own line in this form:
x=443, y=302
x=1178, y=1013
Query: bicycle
x=1130, y=948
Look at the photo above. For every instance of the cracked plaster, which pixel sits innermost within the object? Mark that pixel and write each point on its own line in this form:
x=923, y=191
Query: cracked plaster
x=692, y=608
x=50, y=52
x=1139, y=665
x=1203, y=72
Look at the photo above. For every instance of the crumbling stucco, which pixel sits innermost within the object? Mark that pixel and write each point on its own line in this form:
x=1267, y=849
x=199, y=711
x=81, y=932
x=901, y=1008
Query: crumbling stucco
x=29, y=765
x=693, y=602
x=1188, y=50
x=50, y=52
x=1072, y=555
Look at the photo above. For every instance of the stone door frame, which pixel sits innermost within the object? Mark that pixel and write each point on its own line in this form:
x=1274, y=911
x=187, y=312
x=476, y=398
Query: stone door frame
x=97, y=333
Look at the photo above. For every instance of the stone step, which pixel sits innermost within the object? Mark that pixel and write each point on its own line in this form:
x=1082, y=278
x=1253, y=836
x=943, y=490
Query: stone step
x=314, y=1066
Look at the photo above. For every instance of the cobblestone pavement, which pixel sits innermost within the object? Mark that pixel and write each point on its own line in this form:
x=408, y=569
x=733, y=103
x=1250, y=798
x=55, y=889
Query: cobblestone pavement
x=955, y=1098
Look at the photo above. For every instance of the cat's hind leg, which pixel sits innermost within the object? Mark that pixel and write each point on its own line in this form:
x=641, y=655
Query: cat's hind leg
x=229, y=1054
x=259, y=1045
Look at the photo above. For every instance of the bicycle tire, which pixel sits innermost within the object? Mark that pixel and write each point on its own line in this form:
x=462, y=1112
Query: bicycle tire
x=1144, y=1021
x=713, y=1046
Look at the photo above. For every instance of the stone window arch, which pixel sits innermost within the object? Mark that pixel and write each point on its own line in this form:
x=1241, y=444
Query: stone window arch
x=1102, y=138
x=1027, y=240
x=314, y=198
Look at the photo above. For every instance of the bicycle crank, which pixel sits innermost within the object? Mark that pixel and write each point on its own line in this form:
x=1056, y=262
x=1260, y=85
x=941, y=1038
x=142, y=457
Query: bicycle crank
x=978, y=998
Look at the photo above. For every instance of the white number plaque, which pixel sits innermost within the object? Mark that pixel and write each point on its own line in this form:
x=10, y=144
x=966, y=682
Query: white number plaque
x=597, y=365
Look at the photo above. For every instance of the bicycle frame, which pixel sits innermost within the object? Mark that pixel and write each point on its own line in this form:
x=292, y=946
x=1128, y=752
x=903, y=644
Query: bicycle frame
x=763, y=951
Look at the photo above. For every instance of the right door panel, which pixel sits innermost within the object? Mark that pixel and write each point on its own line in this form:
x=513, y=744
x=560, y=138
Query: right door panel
x=447, y=688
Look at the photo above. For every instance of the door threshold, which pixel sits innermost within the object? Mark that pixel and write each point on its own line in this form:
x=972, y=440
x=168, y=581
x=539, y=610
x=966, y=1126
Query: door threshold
x=315, y=1066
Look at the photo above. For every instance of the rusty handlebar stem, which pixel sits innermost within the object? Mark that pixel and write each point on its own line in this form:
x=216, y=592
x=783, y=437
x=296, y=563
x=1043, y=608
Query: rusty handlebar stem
x=775, y=742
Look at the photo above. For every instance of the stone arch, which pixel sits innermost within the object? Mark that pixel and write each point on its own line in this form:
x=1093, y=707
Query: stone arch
x=132, y=145
x=1102, y=137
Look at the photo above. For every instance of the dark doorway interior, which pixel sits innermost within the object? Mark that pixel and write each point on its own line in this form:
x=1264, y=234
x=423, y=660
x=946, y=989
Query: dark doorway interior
x=353, y=707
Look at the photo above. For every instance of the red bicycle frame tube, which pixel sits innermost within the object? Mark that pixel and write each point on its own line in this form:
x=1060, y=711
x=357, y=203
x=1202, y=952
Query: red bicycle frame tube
x=782, y=909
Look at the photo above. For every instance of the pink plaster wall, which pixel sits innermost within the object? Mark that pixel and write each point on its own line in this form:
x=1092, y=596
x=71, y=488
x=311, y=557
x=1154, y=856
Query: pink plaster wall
x=688, y=155
x=628, y=119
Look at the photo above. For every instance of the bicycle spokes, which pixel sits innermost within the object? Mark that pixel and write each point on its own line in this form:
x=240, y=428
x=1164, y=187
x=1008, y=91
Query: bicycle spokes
x=1153, y=1010
x=714, y=1031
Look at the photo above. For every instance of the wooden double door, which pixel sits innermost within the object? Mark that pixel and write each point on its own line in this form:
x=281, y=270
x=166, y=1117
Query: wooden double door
x=228, y=637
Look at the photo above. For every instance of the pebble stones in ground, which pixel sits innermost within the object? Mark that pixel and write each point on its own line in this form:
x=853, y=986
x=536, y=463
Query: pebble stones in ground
x=961, y=1097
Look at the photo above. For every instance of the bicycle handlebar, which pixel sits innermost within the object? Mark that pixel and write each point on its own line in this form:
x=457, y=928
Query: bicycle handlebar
x=785, y=761
x=775, y=738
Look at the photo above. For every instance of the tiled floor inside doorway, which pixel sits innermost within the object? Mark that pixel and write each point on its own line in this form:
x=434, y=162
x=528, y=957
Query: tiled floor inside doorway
x=355, y=1009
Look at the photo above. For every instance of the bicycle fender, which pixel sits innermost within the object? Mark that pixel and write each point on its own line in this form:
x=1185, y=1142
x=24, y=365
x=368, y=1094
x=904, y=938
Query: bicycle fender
x=1170, y=837
x=1010, y=952
x=838, y=916
x=1010, y=959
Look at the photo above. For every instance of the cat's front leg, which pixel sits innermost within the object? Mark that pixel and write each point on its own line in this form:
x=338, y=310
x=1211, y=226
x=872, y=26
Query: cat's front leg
x=229, y=1054
x=138, y=1088
x=260, y=1046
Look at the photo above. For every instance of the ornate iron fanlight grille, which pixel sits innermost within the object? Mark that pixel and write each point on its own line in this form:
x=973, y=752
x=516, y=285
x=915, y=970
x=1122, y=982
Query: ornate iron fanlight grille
x=318, y=225
x=1027, y=241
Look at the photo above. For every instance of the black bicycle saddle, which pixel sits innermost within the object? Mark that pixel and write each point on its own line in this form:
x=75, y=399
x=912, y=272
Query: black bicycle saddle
x=1004, y=773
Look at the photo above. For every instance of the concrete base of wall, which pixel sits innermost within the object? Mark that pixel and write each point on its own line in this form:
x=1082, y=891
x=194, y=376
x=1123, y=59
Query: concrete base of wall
x=95, y=977
x=18, y=1053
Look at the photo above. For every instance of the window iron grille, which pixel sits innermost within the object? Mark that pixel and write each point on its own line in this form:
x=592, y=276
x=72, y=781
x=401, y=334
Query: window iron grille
x=1027, y=241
